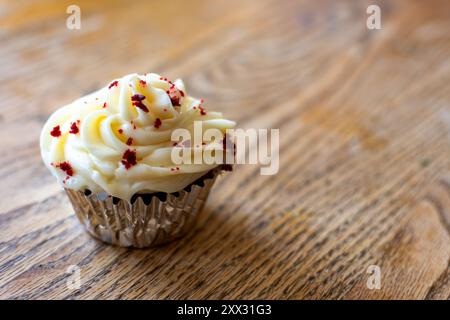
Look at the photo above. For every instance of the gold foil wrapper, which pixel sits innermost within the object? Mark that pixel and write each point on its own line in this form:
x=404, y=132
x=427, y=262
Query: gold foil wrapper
x=139, y=224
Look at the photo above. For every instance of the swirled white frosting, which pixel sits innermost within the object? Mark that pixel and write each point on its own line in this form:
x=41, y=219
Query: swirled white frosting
x=118, y=139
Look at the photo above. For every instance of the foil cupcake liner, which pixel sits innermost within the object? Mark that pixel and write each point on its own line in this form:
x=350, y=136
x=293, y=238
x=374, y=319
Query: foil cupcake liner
x=145, y=222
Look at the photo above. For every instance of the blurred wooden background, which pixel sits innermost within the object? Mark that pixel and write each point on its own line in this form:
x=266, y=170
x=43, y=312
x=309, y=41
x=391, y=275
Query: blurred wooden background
x=364, y=118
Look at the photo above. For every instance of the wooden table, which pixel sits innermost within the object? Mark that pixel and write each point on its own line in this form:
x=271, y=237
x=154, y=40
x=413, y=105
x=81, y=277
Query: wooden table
x=364, y=119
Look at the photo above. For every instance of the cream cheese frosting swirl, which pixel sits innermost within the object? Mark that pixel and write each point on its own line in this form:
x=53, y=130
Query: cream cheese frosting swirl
x=118, y=139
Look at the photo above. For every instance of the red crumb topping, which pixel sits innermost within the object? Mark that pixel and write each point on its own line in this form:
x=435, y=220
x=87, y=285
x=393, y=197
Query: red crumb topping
x=66, y=167
x=129, y=158
x=137, y=102
x=104, y=105
x=174, y=95
x=74, y=127
x=130, y=141
x=165, y=79
x=56, y=132
x=143, y=82
x=202, y=110
x=140, y=105
x=157, y=123
x=137, y=97
x=120, y=131
x=175, y=101
x=113, y=84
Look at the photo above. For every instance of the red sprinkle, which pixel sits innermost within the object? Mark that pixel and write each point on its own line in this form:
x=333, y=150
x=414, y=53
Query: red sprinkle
x=137, y=97
x=129, y=158
x=56, y=132
x=175, y=101
x=120, y=131
x=143, y=82
x=104, y=105
x=140, y=105
x=202, y=110
x=157, y=123
x=74, y=127
x=174, y=95
x=66, y=167
x=137, y=102
x=113, y=84
x=130, y=141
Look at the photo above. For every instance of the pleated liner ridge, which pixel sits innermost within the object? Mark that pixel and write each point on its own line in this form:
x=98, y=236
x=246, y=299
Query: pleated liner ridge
x=147, y=221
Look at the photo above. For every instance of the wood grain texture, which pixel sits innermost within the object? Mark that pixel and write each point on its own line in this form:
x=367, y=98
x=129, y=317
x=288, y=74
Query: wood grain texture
x=364, y=119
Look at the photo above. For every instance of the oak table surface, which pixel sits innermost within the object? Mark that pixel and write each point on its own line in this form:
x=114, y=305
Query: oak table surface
x=364, y=119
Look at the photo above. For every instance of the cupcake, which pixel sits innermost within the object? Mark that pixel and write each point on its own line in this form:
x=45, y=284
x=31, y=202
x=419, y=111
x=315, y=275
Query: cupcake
x=112, y=152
